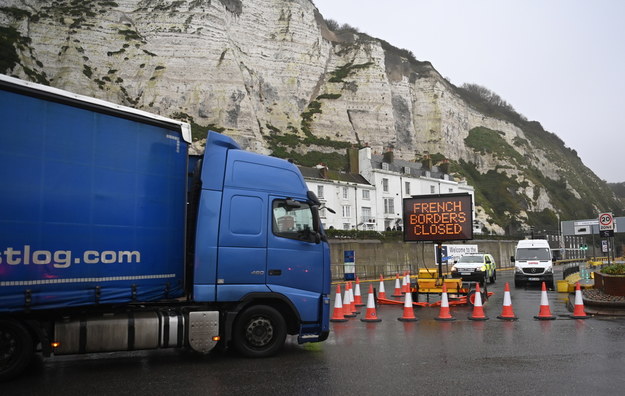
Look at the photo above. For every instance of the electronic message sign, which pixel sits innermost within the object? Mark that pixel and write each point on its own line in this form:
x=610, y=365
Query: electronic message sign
x=443, y=217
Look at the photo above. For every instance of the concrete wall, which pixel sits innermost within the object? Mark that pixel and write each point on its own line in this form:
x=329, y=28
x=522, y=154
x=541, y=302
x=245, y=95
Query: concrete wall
x=375, y=257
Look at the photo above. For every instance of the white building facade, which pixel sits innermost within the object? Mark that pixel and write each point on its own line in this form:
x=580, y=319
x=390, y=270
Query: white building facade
x=371, y=196
x=350, y=196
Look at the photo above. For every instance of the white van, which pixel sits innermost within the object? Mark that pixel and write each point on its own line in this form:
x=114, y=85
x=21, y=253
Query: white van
x=533, y=263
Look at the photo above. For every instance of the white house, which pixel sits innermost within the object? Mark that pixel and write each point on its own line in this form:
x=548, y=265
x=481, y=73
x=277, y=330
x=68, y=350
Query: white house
x=370, y=196
x=396, y=179
x=348, y=194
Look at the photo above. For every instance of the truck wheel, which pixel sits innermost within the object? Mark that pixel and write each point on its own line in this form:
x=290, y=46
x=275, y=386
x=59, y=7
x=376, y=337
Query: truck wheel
x=16, y=348
x=259, y=331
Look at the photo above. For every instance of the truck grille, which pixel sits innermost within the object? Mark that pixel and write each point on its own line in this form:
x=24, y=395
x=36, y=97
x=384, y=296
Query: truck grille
x=533, y=270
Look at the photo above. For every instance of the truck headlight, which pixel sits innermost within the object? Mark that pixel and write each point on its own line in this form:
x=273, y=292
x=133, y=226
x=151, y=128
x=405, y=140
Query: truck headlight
x=453, y=268
x=518, y=270
x=482, y=268
x=549, y=270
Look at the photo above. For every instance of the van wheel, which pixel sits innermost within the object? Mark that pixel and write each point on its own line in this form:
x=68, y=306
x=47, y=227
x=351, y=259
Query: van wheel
x=16, y=348
x=259, y=331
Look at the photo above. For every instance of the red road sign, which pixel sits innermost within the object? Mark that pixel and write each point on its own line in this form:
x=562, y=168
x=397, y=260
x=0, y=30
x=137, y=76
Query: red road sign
x=606, y=222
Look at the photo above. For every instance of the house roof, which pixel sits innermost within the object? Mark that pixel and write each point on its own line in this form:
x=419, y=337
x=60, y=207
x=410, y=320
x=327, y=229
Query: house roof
x=327, y=174
x=399, y=165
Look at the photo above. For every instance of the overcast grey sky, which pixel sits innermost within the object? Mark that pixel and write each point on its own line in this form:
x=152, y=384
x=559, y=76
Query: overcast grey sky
x=558, y=62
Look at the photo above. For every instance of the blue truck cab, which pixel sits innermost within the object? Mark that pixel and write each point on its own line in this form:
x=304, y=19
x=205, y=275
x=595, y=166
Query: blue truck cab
x=112, y=237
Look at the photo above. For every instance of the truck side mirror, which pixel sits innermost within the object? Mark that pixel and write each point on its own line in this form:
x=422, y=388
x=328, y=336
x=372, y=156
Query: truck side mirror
x=512, y=258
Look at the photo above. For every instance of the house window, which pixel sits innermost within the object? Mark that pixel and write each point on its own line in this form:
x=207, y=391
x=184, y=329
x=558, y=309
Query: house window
x=346, y=226
x=432, y=189
x=345, y=193
x=365, y=195
x=451, y=190
x=407, y=188
x=389, y=206
x=320, y=192
x=366, y=214
x=385, y=184
x=385, y=166
x=347, y=211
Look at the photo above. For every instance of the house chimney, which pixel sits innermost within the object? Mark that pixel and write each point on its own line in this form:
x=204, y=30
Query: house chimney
x=427, y=162
x=388, y=156
x=444, y=166
x=352, y=159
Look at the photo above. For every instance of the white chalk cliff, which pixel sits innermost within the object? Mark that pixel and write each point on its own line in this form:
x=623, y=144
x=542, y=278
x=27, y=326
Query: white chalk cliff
x=258, y=69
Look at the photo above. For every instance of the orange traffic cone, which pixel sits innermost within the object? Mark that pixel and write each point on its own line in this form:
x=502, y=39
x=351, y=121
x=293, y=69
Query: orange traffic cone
x=478, y=310
x=444, y=314
x=348, y=312
x=507, y=313
x=408, y=309
x=357, y=296
x=352, y=304
x=405, y=286
x=382, y=291
x=397, y=292
x=371, y=315
x=578, y=312
x=545, y=311
x=337, y=313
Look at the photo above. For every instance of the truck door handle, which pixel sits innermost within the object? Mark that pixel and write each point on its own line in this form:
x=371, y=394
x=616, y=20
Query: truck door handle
x=275, y=272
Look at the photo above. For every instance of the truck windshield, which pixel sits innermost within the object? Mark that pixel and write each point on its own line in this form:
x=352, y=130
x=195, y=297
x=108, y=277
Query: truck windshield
x=533, y=254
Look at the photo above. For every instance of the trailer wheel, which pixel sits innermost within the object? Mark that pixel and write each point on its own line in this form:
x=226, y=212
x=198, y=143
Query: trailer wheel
x=471, y=297
x=259, y=331
x=16, y=348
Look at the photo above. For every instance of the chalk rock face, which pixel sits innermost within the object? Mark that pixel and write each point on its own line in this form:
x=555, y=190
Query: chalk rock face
x=258, y=70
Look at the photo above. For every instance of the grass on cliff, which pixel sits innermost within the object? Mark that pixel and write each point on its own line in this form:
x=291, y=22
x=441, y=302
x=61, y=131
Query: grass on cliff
x=484, y=140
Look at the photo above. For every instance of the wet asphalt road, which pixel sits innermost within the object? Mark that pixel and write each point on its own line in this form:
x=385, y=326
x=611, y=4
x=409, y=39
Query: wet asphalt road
x=527, y=357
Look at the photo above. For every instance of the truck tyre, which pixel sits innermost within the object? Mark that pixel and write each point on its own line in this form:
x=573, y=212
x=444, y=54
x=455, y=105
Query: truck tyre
x=259, y=331
x=16, y=348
